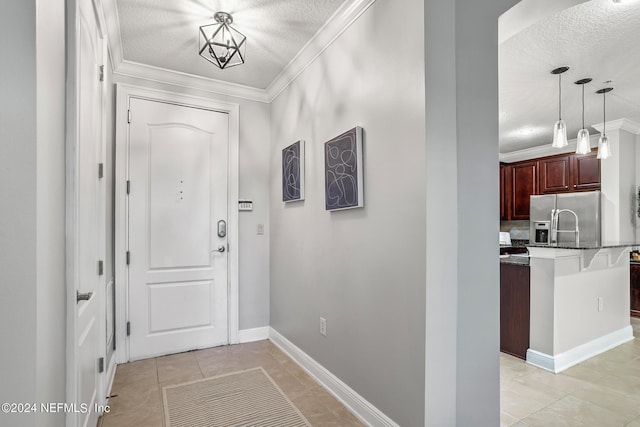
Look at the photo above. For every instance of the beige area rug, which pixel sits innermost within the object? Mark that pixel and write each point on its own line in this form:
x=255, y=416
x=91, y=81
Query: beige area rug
x=245, y=398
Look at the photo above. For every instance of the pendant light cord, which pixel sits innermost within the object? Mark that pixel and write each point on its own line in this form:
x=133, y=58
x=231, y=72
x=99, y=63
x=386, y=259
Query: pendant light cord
x=604, y=113
x=559, y=96
x=583, y=106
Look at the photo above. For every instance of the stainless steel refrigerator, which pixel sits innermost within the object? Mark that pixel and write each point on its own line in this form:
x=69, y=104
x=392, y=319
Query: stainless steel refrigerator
x=583, y=205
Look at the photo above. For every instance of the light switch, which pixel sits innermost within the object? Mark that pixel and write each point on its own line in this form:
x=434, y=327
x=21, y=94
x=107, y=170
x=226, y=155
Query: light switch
x=260, y=228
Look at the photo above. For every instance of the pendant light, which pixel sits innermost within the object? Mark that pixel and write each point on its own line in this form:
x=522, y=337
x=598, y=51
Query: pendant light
x=583, y=145
x=560, y=128
x=604, y=149
x=221, y=44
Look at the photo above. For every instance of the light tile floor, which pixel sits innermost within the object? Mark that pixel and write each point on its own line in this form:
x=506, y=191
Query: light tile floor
x=602, y=391
x=137, y=389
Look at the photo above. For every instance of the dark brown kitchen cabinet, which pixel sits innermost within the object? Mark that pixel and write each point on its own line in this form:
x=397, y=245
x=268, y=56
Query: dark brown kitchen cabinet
x=515, y=309
x=585, y=172
x=635, y=289
x=523, y=182
x=562, y=173
x=554, y=174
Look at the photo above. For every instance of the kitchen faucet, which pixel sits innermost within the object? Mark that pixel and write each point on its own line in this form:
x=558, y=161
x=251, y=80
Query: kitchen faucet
x=555, y=216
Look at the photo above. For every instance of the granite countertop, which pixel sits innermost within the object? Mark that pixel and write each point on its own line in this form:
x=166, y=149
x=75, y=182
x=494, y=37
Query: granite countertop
x=515, y=259
x=584, y=245
x=516, y=244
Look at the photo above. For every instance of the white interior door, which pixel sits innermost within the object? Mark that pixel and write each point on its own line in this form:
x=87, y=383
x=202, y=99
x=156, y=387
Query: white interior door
x=89, y=204
x=178, y=159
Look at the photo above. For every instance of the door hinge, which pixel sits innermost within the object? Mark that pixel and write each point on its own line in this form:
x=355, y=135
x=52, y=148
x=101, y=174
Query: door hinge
x=129, y=116
x=128, y=187
x=128, y=257
x=100, y=268
x=128, y=328
x=100, y=170
x=101, y=365
x=102, y=73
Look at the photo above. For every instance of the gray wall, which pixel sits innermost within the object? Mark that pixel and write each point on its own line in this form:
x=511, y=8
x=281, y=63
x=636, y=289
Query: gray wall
x=361, y=269
x=51, y=242
x=18, y=184
x=254, y=185
x=32, y=275
x=462, y=195
x=441, y=217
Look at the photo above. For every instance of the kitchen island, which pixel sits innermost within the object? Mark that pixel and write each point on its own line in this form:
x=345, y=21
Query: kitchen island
x=579, y=302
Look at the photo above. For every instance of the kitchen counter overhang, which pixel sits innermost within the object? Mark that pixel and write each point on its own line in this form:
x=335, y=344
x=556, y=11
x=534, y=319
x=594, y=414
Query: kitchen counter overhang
x=579, y=302
x=586, y=251
x=520, y=259
x=583, y=245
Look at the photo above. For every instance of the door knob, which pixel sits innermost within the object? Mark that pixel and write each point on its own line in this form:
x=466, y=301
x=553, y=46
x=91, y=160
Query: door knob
x=221, y=248
x=83, y=297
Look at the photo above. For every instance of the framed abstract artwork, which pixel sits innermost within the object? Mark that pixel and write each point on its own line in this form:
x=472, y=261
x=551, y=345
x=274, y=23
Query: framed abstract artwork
x=343, y=179
x=293, y=172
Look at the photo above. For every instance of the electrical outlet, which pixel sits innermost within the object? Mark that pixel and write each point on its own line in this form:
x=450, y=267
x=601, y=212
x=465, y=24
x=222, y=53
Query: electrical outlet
x=323, y=326
x=600, y=303
x=260, y=229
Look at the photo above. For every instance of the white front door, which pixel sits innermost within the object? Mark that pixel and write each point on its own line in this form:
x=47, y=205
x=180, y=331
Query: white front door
x=178, y=159
x=88, y=205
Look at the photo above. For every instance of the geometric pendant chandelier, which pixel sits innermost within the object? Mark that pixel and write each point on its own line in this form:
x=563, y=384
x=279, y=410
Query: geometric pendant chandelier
x=221, y=44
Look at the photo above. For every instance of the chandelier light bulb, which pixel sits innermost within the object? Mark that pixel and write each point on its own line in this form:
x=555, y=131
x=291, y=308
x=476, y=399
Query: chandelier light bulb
x=560, y=135
x=604, y=149
x=583, y=146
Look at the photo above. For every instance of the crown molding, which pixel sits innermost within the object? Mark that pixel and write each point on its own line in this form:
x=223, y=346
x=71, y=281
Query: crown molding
x=346, y=15
x=620, y=124
x=123, y=67
x=190, y=81
x=543, y=151
x=114, y=41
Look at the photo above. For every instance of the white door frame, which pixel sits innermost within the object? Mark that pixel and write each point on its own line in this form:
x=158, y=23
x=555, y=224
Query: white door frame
x=71, y=202
x=124, y=93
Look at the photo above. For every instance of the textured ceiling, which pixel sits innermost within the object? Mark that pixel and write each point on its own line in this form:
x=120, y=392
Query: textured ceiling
x=598, y=39
x=164, y=33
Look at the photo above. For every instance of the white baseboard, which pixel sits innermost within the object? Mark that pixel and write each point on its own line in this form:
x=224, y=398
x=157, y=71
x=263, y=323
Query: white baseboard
x=251, y=335
x=581, y=353
x=541, y=360
x=635, y=324
x=358, y=405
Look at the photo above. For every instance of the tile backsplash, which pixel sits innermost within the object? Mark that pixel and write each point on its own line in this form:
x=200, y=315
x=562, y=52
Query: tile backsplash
x=519, y=230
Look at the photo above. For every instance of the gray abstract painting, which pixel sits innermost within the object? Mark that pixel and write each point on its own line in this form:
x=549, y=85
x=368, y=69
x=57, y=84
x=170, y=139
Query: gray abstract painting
x=293, y=172
x=343, y=171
